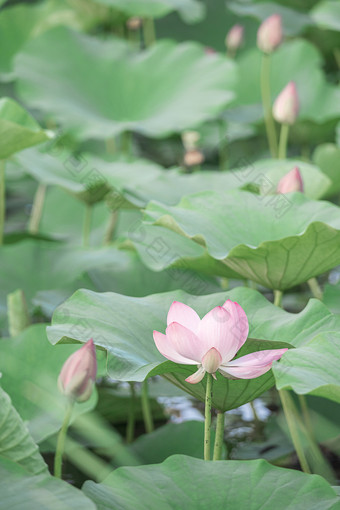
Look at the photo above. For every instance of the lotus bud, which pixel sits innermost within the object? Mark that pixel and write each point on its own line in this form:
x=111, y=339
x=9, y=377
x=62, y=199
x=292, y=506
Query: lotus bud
x=190, y=140
x=194, y=157
x=234, y=38
x=134, y=23
x=286, y=106
x=78, y=373
x=269, y=35
x=292, y=181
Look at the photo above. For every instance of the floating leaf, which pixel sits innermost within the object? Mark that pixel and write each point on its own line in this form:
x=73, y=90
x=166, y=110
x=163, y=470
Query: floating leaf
x=326, y=14
x=184, y=482
x=327, y=158
x=190, y=86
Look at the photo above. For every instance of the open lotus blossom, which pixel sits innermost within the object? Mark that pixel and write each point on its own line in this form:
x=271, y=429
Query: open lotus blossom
x=213, y=342
x=78, y=373
x=269, y=35
x=292, y=181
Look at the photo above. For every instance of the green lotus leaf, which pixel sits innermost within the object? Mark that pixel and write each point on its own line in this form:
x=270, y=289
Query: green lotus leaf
x=190, y=11
x=278, y=241
x=327, y=158
x=19, y=489
x=190, y=86
x=16, y=444
x=18, y=129
x=123, y=325
x=326, y=14
x=184, y=482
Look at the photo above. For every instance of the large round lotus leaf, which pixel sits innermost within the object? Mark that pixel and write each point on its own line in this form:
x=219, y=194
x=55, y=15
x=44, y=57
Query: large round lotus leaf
x=124, y=325
x=189, y=10
x=194, y=484
x=326, y=14
x=16, y=444
x=22, y=491
x=18, y=129
x=327, y=158
x=314, y=368
x=30, y=367
x=104, y=88
x=293, y=21
x=296, y=60
x=276, y=240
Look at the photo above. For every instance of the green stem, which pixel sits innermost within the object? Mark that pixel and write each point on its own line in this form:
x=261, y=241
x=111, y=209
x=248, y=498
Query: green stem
x=283, y=141
x=17, y=312
x=267, y=105
x=2, y=200
x=111, y=227
x=125, y=142
x=130, y=428
x=222, y=148
x=219, y=437
x=278, y=297
x=315, y=288
x=87, y=224
x=207, y=417
x=147, y=414
x=61, y=441
x=37, y=209
x=306, y=415
x=290, y=414
x=149, y=31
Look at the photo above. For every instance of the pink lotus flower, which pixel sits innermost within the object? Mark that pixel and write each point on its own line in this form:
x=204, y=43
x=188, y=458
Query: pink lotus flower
x=78, y=373
x=286, y=105
x=292, y=181
x=269, y=35
x=234, y=38
x=212, y=343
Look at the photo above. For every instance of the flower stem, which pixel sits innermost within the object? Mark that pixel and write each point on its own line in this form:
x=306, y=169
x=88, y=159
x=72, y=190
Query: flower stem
x=219, y=437
x=315, y=288
x=130, y=428
x=290, y=414
x=87, y=224
x=149, y=32
x=37, y=209
x=267, y=105
x=61, y=441
x=147, y=414
x=283, y=141
x=278, y=297
x=207, y=417
x=111, y=227
x=306, y=415
x=2, y=200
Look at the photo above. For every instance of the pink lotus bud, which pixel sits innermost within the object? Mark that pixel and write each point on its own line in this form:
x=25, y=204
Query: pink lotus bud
x=234, y=38
x=286, y=106
x=290, y=182
x=78, y=373
x=193, y=157
x=269, y=35
x=134, y=23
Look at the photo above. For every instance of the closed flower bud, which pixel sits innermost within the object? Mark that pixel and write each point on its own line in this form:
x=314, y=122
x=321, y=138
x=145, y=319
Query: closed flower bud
x=78, y=373
x=134, y=23
x=286, y=106
x=291, y=182
x=234, y=38
x=193, y=158
x=269, y=35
